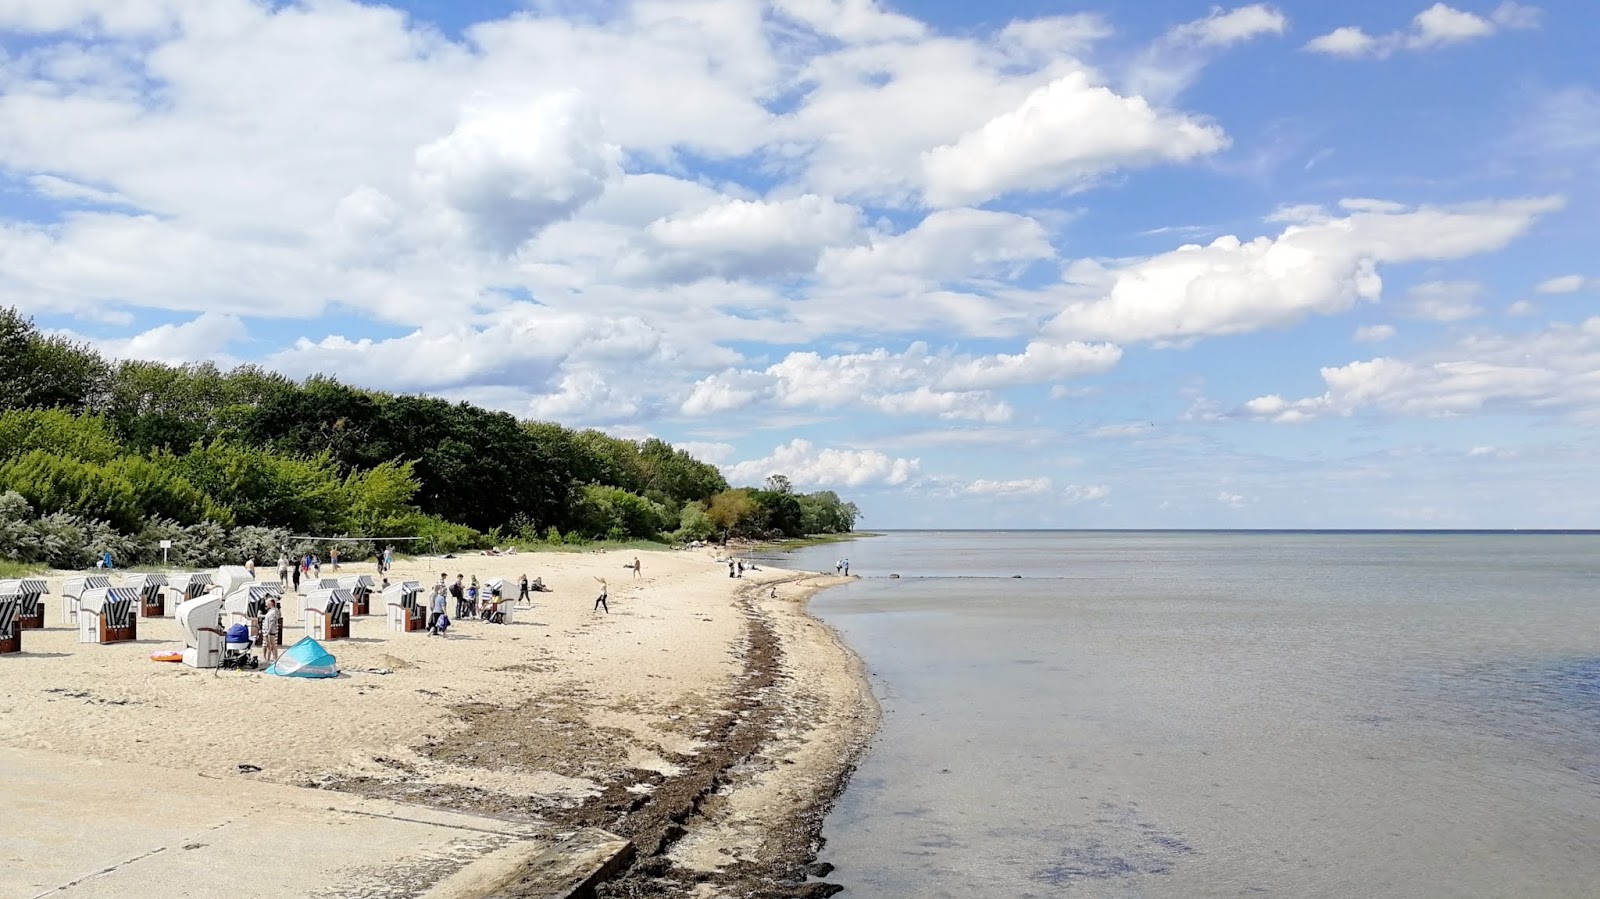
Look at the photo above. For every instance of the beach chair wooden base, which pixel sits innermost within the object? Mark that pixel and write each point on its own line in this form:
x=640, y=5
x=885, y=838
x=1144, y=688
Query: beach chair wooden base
x=11, y=640
x=153, y=608
x=110, y=634
x=360, y=607
x=31, y=622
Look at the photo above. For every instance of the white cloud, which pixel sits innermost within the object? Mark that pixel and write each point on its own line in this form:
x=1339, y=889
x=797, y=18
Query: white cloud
x=1522, y=309
x=1550, y=372
x=204, y=338
x=1012, y=488
x=851, y=20
x=1223, y=27
x=1444, y=301
x=1062, y=136
x=1318, y=265
x=808, y=465
x=948, y=245
x=916, y=381
x=744, y=239
x=510, y=170
x=1076, y=494
x=1375, y=333
x=1564, y=284
x=1231, y=500
x=1436, y=26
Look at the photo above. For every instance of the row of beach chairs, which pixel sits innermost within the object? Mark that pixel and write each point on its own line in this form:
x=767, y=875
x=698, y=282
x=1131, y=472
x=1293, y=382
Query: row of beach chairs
x=206, y=603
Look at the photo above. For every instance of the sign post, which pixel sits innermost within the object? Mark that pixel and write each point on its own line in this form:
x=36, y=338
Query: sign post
x=165, y=545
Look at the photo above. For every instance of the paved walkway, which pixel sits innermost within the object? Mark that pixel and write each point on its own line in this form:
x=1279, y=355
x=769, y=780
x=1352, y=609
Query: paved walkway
x=74, y=828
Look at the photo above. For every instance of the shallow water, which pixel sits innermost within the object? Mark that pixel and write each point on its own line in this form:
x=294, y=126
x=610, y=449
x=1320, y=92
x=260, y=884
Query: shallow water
x=1223, y=714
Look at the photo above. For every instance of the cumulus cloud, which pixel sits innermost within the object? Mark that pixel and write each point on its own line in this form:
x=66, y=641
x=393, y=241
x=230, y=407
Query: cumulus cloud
x=510, y=170
x=1375, y=333
x=808, y=465
x=744, y=239
x=1551, y=371
x=1061, y=137
x=916, y=381
x=206, y=337
x=1223, y=27
x=1320, y=264
x=1438, y=25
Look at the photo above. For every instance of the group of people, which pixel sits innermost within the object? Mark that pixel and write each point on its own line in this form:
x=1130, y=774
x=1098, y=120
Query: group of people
x=485, y=602
x=290, y=572
x=842, y=567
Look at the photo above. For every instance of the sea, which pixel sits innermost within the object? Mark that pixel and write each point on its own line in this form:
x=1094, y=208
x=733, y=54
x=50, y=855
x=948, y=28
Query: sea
x=1221, y=714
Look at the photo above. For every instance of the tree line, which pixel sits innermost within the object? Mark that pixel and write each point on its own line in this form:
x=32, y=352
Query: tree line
x=96, y=454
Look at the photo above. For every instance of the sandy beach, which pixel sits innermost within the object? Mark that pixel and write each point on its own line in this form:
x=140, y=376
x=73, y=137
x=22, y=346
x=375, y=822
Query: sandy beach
x=702, y=718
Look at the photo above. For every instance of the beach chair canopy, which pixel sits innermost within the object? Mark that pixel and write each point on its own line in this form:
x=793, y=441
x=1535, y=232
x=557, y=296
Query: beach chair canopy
x=355, y=581
x=182, y=582
x=24, y=586
x=77, y=586
x=307, y=658
x=398, y=592
x=141, y=582
x=114, y=603
x=328, y=600
x=312, y=585
x=232, y=577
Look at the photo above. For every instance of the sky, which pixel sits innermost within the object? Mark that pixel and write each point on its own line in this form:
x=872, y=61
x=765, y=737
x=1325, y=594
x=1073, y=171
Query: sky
x=1009, y=264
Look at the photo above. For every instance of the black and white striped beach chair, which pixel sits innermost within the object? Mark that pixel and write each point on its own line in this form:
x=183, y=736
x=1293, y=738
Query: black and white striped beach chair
x=10, y=623
x=108, y=615
x=31, y=591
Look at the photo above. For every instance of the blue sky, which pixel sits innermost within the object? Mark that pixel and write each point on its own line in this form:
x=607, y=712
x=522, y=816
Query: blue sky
x=1009, y=264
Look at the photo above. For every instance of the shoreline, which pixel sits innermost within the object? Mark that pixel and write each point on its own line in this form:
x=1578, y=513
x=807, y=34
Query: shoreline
x=709, y=723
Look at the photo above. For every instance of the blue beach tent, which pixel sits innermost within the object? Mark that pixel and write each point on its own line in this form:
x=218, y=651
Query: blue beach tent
x=305, y=659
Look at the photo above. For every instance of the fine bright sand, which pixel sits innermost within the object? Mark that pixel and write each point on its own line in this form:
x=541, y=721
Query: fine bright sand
x=596, y=694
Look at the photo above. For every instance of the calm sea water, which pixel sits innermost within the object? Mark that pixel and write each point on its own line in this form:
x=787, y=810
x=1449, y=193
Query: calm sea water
x=1222, y=714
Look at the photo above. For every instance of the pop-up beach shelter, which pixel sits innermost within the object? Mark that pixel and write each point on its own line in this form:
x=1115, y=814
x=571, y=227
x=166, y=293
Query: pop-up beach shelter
x=305, y=659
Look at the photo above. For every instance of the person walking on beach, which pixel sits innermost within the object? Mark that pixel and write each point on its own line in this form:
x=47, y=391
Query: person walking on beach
x=730, y=568
x=600, y=601
x=637, y=568
x=459, y=591
x=316, y=565
x=522, y=590
x=269, y=632
x=283, y=570
x=838, y=566
x=436, y=609
x=846, y=567
x=333, y=558
x=250, y=566
x=295, y=574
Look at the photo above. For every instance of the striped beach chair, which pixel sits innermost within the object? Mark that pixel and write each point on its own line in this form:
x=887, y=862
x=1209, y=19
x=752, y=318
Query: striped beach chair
x=360, y=588
x=10, y=623
x=72, y=591
x=108, y=615
x=31, y=591
x=152, y=593
x=248, y=603
x=327, y=614
x=402, y=604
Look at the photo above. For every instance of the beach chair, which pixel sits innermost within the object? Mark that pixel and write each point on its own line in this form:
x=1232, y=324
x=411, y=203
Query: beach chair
x=203, y=635
x=10, y=623
x=403, y=607
x=108, y=615
x=360, y=589
x=183, y=587
x=327, y=615
x=152, y=593
x=31, y=591
x=232, y=577
x=72, y=591
x=246, y=604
